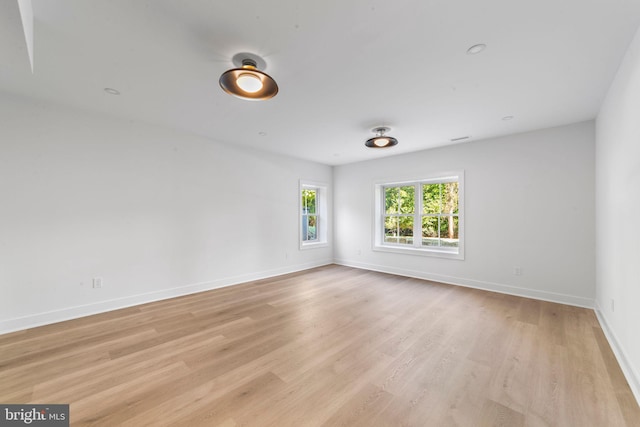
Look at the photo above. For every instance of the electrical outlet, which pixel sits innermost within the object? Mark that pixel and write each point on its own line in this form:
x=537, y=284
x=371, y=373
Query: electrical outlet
x=517, y=271
x=613, y=305
x=97, y=282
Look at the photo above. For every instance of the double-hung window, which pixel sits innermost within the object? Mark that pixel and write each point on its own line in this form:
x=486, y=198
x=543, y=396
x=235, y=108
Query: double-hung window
x=309, y=214
x=423, y=217
x=314, y=221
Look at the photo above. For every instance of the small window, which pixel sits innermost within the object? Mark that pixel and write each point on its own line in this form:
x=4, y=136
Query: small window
x=309, y=214
x=313, y=215
x=421, y=217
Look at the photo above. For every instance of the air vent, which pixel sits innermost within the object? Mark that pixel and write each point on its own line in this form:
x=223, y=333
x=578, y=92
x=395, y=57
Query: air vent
x=462, y=138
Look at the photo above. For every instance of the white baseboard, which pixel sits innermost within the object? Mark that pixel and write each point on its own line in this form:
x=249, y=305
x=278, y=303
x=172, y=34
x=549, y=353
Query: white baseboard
x=46, y=318
x=632, y=376
x=476, y=284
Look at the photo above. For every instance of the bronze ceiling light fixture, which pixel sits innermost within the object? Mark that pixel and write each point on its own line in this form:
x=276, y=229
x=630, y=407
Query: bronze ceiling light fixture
x=381, y=140
x=246, y=81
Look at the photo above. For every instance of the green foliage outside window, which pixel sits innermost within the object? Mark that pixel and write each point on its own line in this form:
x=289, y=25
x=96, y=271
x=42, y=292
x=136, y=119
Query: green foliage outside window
x=440, y=209
x=438, y=214
x=309, y=215
x=309, y=201
x=399, y=209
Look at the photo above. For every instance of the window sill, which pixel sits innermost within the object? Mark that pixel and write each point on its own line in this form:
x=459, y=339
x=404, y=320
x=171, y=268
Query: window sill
x=438, y=253
x=313, y=245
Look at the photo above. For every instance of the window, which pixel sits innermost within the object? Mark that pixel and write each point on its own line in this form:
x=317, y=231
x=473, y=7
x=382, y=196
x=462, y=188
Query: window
x=309, y=214
x=421, y=217
x=313, y=215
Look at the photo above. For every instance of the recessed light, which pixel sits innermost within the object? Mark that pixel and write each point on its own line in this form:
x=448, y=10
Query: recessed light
x=111, y=91
x=462, y=138
x=476, y=48
x=507, y=118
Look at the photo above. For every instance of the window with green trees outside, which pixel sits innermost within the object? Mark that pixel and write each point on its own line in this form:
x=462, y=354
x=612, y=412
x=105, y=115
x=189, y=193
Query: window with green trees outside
x=423, y=215
x=314, y=217
x=309, y=214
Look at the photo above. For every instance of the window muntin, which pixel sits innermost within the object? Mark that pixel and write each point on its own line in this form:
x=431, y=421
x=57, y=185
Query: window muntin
x=422, y=216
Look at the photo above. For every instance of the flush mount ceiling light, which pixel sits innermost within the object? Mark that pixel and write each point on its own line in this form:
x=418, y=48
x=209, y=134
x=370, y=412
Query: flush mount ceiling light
x=381, y=140
x=246, y=81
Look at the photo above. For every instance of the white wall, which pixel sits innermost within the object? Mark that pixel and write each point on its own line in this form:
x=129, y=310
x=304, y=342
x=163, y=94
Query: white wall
x=154, y=212
x=529, y=203
x=617, y=213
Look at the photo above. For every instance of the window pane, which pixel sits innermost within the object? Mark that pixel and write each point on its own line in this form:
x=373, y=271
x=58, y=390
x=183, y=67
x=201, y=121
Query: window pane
x=309, y=198
x=398, y=230
x=449, y=231
x=391, y=200
x=407, y=200
x=450, y=197
x=309, y=227
x=431, y=198
x=399, y=200
x=430, y=233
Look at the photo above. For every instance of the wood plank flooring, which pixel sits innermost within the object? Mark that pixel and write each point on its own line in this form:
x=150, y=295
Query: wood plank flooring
x=332, y=346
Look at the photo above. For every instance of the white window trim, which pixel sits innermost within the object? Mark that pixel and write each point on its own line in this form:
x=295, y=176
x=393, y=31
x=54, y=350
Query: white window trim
x=322, y=202
x=378, y=210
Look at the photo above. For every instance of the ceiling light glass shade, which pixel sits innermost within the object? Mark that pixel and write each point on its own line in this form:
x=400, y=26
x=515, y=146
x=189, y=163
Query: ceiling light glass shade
x=248, y=82
x=381, y=140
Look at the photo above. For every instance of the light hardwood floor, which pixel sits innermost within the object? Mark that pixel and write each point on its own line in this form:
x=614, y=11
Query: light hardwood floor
x=332, y=346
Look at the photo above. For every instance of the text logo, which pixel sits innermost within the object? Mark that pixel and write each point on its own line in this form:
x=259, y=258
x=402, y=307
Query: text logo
x=34, y=415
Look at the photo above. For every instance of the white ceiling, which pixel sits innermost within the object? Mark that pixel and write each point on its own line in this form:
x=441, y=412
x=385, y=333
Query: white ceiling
x=343, y=67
